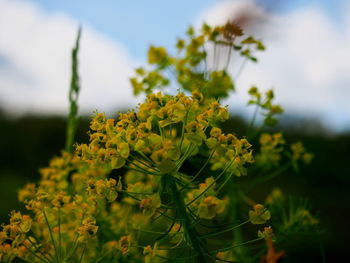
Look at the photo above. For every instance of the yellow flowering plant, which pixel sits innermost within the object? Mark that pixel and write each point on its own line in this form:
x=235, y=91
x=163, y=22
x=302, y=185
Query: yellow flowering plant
x=159, y=183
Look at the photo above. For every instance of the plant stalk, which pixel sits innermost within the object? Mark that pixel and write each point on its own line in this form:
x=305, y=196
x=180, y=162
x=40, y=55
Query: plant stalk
x=190, y=230
x=72, y=122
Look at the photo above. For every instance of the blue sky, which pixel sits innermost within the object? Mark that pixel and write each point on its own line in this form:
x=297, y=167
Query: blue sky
x=307, y=61
x=138, y=23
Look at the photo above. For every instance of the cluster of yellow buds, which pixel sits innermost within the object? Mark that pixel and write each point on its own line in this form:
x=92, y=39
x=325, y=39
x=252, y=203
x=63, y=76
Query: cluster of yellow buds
x=164, y=132
x=13, y=237
x=204, y=200
x=271, y=148
x=107, y=188
x=299, y=152
x=195, y=68
x=87, y=230
x=58, y=220
x=229, y=152
x=259, y=215
x=264, y=102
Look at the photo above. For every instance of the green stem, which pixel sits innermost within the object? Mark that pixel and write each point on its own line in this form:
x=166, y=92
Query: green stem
x=190, y=230
x=240, y=69
x=35, y=246
x=146, y=157
x=215, y=233
x=59, y=234
x=262, y=179
x=239, y=245
x=35, y=255
x=184, y=157
x=73, y=97
x=228, y=58
x=46, y=259
x=251, y=125
x=82, y=254
x=51, y=235
x=184, y=123
x=200, y=170
x=143, y=163
x=210, y=185
x=140, y=171
x=237, y=232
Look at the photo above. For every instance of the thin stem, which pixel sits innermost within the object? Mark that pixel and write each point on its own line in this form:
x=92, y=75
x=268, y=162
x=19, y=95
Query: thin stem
x=215, y=56
x=38, y=249
x=184, y=123
x=246, y=199
x=215, y=233
x=222, y=260
x=177, y=258
x=163, y=214
x=225, y=182
x=205, y=60
x=184, y=157
x=228, y=57
x=251, y=125
x=234, y=208
x=239, y=245
x=276, y=173
x=200, y=170
x=151, y=232
x=240, y=69
x=160, y=131
x=140, y=171
x=82, y=254
x=143, y=163
x=141, y=168
x=146, y=157
x=59, y=233
x=210, y=185
x=191, y=232
x=101, y=257
x=165, y=234
x=75, y=243
x=35, y=255
x=128, y=192
x=73, y=97
x=51, y=235
x=74, y=247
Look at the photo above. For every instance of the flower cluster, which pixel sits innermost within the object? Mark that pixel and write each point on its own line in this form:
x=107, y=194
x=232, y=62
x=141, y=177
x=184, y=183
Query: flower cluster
x=162, y=134
x=271, y=148
x=195, y=67
x=264, y=102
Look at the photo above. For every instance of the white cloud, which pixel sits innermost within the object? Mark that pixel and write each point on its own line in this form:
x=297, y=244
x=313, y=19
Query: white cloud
x=35, y=62
x=307, y=61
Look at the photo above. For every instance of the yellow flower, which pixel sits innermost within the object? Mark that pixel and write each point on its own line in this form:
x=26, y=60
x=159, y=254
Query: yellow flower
x=87, y=230
x=150, y=204
x=259, y=215
x=210, y=207
x=267, y=233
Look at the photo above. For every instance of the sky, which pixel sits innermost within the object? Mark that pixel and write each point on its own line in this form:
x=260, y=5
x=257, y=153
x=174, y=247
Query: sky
x=307, y=61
